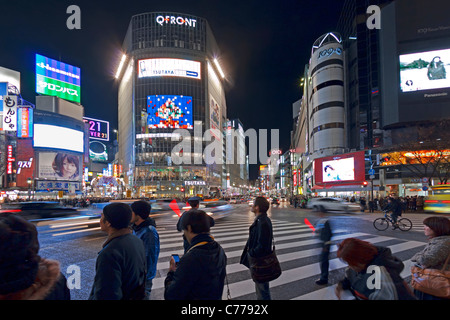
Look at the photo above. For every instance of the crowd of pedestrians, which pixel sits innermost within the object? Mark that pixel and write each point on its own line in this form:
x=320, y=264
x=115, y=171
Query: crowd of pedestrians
x=126, y=264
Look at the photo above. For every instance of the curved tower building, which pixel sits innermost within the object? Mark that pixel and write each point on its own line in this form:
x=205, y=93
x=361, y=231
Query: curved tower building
x=170, y=78
x=326, y=96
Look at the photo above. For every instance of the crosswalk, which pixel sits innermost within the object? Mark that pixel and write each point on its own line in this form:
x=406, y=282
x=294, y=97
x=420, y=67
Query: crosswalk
x=297, y=249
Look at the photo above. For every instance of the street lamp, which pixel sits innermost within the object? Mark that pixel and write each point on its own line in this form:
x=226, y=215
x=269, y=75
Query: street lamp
x=29, y=181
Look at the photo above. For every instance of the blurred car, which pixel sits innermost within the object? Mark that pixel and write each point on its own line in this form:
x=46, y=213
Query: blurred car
x=275, y=201
x=439, y=203
x=332, y=204
x=38, y=209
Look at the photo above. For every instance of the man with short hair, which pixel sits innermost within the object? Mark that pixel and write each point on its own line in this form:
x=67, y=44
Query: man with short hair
x=121, y=265
x=201, y=272
x=259, y=243
x=144, y=228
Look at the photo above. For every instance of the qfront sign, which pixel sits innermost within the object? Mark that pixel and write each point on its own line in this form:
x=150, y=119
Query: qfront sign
x=55, y=78
x=161, y=20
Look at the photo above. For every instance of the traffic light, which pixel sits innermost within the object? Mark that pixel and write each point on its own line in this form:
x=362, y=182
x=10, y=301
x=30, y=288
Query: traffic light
x=365, y=183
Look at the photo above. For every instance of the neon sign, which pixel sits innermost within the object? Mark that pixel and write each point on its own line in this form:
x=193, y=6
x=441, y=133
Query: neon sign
x=176, y=20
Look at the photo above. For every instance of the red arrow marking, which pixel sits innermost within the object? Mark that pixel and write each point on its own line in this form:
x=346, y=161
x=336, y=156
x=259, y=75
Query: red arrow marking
x=309, y=225
x=174, y=206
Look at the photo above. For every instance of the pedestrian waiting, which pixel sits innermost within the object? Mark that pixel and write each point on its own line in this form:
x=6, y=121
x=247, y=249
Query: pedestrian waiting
x=360, y=255
x=144, y=227
x=121, y=265
x=201, y=271
x=24, y=275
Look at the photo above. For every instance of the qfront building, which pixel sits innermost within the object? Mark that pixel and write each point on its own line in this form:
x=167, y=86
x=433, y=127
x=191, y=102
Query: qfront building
x=170, y=92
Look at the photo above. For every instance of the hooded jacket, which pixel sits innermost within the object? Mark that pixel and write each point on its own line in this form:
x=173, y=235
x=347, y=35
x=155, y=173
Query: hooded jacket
x=392, y=286
x=200, y=273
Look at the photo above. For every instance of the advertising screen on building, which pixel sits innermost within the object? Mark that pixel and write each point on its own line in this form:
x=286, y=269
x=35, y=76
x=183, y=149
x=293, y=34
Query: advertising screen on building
x=165, y=67
x=344, y=169
x=338, y=170
x=169, y=111
x=55, y=137
x=59, y=166
x=55, y=78
x=425, y=70
x=98, y=151
x=98, y=129
x=24, y=122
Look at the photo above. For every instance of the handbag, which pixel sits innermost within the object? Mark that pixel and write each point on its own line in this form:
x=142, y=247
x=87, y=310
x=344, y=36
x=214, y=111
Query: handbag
x=432, y=281
x=266, y=268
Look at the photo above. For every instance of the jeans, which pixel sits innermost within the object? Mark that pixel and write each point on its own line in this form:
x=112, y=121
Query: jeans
x=148, y=288
x=262, y=291
x=324, y=262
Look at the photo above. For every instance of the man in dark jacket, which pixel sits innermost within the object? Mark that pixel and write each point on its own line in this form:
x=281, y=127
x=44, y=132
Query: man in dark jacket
x=259, y=243
x=395, y=206
x=201, y=272
x=121, y=264
x=144, y=227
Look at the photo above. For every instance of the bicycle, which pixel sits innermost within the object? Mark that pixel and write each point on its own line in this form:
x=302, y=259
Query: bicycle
x=381, y=224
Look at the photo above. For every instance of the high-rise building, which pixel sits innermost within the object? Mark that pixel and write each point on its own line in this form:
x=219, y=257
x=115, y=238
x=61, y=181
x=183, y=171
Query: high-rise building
x=170, y=78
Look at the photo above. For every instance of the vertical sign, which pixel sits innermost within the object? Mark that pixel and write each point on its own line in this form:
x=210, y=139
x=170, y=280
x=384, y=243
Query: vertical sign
x=295, y=177
x=10, y=160
x=24, y=122
x=10, y=113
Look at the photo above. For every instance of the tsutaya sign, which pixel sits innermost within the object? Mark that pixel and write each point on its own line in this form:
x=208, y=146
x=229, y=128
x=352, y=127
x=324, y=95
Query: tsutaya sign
x=176, y=20
x=195, y=183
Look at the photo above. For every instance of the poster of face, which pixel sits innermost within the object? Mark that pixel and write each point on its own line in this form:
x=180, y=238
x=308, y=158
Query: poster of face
x=60, y=166
x=214, y=110
x=338, y=170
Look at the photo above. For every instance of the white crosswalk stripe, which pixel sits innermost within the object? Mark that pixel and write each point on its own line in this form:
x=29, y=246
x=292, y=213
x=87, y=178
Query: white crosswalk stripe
x=298, y=251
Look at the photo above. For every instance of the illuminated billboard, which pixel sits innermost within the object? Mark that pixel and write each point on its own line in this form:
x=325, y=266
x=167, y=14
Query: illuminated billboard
x=338, y=170
x=56, y=137
x=169, y=111
x=98, y=129
x=24, y=122
x=344, y=169
x=424, y=70
x=166, y=67
x=59, y=166
x=55, y=78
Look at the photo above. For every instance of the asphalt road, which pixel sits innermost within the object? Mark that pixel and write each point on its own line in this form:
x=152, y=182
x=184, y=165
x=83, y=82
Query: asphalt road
x=76, y=241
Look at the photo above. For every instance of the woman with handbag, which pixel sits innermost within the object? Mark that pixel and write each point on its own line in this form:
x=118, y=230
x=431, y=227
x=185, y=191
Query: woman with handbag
x=431, y=272
x=258, y=254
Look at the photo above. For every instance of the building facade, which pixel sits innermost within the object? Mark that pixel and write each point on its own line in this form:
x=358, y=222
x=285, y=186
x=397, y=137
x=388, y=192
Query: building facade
x=170, y=82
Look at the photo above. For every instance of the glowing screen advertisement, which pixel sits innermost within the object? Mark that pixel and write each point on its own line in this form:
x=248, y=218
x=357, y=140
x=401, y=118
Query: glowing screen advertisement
x=55, y=78
x=169, y=111
x=338, y=170
x=165, y=67
x=424, y=70
x=55, y=137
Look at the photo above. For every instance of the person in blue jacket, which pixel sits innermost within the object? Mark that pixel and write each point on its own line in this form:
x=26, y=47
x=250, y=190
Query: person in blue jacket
x=144, y=227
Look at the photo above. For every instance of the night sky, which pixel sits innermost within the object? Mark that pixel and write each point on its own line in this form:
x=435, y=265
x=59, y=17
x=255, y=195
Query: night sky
x=264, y=47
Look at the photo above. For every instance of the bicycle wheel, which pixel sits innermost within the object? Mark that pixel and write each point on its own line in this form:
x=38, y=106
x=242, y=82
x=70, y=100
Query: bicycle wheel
x=404, y=224
x=381, y=224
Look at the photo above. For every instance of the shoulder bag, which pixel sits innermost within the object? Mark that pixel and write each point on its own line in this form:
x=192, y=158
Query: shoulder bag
x=432, y=281
x=265, y=269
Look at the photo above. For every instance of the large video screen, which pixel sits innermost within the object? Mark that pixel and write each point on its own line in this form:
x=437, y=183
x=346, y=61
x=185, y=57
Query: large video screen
x=55, y=78
x=424, y=70
x=55, y=137
x=338, y=170
x=166, y=67
x=169, y=111
x=59, y=166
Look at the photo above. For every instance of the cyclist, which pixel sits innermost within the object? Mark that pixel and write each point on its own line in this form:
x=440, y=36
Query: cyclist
x=395, y=206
